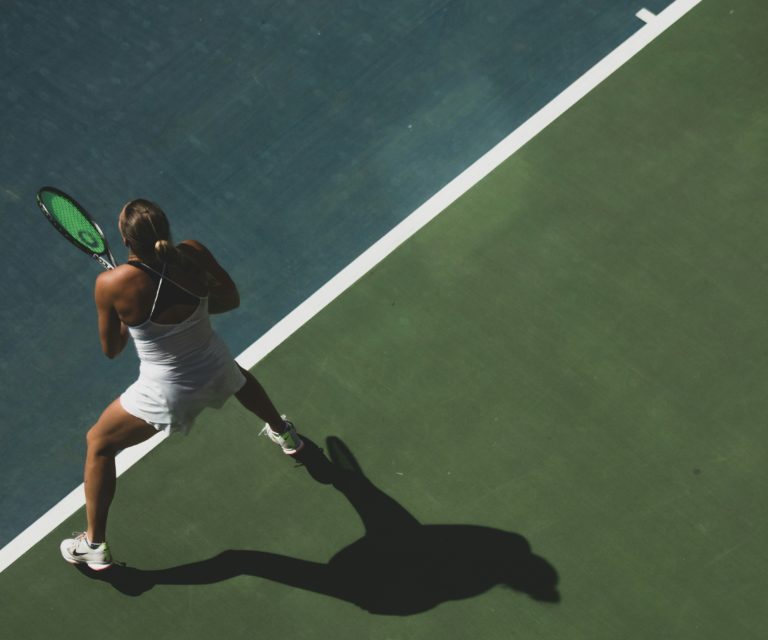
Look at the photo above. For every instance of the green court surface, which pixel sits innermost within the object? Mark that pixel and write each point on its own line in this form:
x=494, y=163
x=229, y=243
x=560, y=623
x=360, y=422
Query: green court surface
x=571, y=357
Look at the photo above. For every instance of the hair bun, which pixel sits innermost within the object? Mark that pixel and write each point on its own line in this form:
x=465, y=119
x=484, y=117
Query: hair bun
x=163, y=249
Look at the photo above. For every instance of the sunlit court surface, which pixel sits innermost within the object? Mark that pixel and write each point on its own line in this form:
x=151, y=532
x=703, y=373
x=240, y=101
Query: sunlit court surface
x=502, y=263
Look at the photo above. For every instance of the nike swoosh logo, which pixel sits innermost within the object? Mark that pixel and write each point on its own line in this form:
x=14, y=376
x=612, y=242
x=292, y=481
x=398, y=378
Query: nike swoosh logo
x=75, y=553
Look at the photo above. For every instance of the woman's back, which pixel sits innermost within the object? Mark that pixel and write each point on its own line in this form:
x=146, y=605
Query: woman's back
x=165, y=293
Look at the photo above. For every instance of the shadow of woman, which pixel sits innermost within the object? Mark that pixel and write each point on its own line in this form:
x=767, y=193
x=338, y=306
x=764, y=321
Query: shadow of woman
x=399, y=567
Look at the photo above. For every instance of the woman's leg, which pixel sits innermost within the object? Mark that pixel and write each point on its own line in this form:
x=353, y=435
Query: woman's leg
x=115, y=430
x=254, y=398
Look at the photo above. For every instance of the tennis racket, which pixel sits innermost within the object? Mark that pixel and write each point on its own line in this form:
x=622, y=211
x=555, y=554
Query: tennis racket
x=72, y=221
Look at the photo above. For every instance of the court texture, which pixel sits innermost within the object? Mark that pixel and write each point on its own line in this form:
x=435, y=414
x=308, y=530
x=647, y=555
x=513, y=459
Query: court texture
x=504, y=265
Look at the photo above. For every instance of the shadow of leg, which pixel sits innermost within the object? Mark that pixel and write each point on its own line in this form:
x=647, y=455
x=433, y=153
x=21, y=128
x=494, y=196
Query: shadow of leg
x=381, y=514
x=311, y=576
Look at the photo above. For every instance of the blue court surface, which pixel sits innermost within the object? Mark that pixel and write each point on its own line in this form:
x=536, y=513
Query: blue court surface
x=289, y=136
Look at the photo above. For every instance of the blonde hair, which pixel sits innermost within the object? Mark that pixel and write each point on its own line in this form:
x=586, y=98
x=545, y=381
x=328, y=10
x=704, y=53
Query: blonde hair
x=166, y=252
x=147, y=232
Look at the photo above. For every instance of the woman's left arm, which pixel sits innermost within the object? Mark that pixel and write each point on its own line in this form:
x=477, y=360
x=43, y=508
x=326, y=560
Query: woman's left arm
x=112, y=332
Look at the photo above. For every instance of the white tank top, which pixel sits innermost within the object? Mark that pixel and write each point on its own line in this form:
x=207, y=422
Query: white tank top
x=179, y=352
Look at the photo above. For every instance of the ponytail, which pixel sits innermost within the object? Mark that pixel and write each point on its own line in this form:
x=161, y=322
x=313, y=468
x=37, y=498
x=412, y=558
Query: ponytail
x=166, y=252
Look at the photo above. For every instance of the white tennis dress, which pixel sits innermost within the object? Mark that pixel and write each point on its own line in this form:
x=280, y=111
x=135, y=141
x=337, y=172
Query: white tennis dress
x=185, y=368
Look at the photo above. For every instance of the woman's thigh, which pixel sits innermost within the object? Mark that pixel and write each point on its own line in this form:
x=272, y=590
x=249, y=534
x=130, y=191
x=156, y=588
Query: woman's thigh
x=117, y=429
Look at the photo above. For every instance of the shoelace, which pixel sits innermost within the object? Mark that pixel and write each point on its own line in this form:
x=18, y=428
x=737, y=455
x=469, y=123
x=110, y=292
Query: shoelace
x=77, y=536
x=268, y=432
x=82, y=536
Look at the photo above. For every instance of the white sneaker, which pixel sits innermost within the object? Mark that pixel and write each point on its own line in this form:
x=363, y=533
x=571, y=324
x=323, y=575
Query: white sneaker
x=288, y=440
x=77, y=551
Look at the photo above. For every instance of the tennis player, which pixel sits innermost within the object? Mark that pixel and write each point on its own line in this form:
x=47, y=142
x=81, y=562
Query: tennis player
x=162, y=298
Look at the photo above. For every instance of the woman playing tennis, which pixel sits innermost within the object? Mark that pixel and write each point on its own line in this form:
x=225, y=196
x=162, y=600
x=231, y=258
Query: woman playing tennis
x=162, y=298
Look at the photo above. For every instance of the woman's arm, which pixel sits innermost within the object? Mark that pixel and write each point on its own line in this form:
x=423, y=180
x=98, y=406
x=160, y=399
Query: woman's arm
x=112, y=332
x=222, y=290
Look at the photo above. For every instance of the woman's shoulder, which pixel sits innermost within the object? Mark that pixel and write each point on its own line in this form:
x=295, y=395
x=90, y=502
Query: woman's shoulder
x=114, y=282
x=191, y=244
x=121, y=273
x=199, y=254
x=195, y=250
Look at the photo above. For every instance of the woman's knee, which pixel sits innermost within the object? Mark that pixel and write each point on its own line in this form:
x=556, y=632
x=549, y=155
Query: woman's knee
x=98, y=444
x=116, y=430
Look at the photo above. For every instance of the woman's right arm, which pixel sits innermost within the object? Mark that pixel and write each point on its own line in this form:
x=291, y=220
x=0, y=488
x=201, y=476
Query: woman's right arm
x=113, y=333
x=222, y=290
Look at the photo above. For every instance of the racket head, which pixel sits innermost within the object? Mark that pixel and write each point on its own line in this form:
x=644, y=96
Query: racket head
x=73, y=222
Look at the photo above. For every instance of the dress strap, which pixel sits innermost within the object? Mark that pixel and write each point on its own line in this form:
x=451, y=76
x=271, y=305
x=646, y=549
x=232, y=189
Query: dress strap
x=173, y=282
x=157, y=292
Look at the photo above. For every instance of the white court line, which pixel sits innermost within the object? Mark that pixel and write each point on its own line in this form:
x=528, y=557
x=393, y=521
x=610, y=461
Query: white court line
x=381, y=249
x=645, y=15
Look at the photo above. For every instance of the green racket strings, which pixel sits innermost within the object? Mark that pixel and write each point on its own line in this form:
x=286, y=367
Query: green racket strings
x=73, y=221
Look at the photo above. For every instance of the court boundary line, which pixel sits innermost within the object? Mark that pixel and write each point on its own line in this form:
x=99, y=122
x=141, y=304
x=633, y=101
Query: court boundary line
x=377, y=252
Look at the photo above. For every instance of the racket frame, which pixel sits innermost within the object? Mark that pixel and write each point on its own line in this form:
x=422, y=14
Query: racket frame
x=105, y=258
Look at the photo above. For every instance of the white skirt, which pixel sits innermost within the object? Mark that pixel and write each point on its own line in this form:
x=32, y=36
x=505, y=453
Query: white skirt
x=174, y=406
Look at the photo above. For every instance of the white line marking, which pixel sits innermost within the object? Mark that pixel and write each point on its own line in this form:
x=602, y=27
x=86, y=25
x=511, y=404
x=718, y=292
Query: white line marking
x=646, y=16
x=381, y=249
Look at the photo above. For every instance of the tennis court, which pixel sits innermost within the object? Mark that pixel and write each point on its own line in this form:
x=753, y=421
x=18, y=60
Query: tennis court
x=554, y=387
